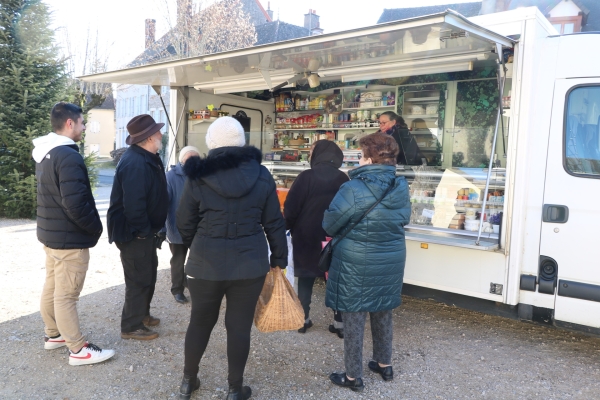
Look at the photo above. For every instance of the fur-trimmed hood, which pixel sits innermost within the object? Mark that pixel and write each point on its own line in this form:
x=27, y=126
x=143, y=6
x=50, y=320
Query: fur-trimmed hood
x=230, y=171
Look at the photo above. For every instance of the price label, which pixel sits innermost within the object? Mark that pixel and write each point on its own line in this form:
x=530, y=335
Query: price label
x=428, y=213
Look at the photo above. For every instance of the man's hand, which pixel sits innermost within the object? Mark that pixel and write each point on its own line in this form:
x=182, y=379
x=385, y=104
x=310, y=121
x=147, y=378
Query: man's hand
x=160, y=238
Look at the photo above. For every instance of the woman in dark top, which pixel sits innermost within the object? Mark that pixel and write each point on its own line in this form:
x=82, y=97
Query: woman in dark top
x=305, y=204
x=392, y=124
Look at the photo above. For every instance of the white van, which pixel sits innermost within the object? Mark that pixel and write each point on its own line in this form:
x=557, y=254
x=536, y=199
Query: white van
x=507, y=116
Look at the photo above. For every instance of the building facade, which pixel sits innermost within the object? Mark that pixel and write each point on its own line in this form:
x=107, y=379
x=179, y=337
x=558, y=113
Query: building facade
x=100, y=129
x=132, y=100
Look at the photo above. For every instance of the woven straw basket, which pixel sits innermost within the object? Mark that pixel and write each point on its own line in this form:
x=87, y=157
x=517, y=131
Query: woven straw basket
x=278, y=307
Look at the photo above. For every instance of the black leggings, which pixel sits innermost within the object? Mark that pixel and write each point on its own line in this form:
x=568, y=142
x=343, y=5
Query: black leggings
x=242, y=296
x=305, y=289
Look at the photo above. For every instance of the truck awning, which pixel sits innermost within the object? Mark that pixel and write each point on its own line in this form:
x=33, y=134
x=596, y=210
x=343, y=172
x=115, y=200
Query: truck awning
x=437, y=43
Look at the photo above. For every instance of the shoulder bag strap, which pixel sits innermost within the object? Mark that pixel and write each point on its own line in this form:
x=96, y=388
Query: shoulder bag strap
x=389, y=189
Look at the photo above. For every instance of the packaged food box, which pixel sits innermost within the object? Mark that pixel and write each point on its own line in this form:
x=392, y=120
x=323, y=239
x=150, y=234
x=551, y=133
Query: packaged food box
x=289, y=155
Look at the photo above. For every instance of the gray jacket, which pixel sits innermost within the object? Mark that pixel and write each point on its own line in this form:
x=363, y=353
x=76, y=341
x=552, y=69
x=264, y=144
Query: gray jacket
x=175, y=182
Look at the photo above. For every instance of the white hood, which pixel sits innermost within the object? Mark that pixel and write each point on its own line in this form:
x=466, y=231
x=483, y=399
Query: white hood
x=44, y=144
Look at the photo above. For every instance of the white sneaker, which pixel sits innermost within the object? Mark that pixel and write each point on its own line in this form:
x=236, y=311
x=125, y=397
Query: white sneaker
x=54, y=343
x=89, y=354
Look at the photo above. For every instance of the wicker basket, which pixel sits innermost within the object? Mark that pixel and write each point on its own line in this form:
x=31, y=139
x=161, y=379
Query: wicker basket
x=278, y=307
x=297, y=142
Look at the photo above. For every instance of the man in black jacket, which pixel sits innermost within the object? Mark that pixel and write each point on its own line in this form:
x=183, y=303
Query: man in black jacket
x=138, y=210
x=68, y=224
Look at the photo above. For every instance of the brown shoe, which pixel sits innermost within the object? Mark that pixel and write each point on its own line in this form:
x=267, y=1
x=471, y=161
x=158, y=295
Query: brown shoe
x=149, y=320
x=140, y=334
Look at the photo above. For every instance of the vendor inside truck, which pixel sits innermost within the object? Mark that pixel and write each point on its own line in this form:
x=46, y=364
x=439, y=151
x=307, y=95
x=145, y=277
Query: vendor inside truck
x=394, y=125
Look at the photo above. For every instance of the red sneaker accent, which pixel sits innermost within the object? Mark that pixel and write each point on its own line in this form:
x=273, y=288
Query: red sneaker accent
x=89, y=355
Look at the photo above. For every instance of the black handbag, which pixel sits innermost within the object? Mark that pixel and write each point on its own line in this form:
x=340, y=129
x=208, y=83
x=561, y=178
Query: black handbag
x=327, y=252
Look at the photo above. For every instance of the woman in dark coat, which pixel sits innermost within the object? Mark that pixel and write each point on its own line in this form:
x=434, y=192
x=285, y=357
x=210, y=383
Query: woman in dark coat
x=367, y=266
x=307, y=200
x=392, y=124
x=228, y=212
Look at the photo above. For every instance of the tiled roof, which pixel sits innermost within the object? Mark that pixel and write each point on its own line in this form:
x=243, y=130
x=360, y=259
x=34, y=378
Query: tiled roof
x=278, y=31
x=395, y=14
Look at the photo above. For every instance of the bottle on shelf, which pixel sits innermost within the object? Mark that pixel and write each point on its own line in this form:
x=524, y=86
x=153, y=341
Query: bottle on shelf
x=384, y=100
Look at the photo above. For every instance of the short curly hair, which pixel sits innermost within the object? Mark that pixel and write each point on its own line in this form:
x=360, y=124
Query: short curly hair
x=381, y=148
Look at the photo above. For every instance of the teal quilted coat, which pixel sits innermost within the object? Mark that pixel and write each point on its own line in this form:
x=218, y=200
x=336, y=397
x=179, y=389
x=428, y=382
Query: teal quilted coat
x=367, y=267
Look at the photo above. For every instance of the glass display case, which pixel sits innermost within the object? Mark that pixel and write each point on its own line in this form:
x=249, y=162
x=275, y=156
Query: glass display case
x=446, y=203
x=450, y=200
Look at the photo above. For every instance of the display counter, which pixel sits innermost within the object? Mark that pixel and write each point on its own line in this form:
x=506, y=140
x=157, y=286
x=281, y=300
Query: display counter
x=446, y=203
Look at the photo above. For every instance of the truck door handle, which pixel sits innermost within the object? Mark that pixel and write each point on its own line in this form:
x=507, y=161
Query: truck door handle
x=555, y=213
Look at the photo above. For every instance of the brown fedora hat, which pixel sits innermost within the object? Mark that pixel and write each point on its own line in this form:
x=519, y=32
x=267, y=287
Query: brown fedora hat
x=142, y=127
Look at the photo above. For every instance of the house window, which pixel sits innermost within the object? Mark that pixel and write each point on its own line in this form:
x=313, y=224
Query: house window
x=566, y=25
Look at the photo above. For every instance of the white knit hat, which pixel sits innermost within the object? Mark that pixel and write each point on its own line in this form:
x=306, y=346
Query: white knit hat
x=224, y=132
x=186, y=150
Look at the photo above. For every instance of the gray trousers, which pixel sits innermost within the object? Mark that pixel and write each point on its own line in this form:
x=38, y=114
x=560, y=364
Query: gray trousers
x=382, y=331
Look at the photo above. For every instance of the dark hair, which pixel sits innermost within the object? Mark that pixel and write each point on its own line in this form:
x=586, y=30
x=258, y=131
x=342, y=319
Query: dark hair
x=395, y=117
x=61, y=112
x=380, y=148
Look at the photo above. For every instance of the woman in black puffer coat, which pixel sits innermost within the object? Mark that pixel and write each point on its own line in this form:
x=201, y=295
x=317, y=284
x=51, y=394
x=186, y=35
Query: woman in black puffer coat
x=228, y=211
x=307, y=200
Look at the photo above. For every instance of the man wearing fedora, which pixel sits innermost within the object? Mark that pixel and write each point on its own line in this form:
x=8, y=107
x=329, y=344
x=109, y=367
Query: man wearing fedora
x=138, y=209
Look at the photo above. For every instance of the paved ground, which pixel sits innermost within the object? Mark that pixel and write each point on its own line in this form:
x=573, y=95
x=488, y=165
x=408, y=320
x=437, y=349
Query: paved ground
x=440, y=352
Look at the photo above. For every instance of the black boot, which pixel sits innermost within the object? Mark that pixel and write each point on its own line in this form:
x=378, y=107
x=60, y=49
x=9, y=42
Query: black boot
x=189, y=384
x=239, y=393
x=342, y=380
x=306, y=326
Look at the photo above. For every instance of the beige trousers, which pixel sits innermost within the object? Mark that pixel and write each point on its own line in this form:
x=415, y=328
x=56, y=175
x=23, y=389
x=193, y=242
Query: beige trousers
x=65, y=275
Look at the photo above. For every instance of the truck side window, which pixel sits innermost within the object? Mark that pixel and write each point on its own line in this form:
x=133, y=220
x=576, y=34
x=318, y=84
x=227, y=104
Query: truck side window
x=582, y=135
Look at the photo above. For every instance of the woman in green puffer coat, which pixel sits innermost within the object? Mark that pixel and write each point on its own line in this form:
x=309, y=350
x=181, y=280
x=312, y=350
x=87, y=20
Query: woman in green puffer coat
x=367, y=266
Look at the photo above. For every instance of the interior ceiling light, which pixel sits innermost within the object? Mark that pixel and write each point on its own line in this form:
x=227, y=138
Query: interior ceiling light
x=421, y=63
x=448, y=54
x=237, y=83
x=275, y=74
x=397, y=73
x=313, y=80
x=314, y=64
x=240, y=89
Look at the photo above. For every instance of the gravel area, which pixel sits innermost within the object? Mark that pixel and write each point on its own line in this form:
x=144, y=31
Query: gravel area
x=440, y=352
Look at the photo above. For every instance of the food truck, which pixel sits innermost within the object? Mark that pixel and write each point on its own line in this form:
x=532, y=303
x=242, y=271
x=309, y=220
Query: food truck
x=506, y=114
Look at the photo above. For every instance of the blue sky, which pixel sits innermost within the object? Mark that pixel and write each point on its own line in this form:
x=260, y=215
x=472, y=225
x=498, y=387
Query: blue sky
x=119, y=24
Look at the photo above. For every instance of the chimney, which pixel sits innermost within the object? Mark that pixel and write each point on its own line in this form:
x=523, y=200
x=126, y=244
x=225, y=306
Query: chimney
x=184, y=12
x=269, y=11
x=311, y=22
x=150, y=32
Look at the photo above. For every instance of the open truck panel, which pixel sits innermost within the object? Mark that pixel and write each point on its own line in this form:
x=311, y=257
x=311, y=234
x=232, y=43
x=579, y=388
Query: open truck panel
x=538, y=162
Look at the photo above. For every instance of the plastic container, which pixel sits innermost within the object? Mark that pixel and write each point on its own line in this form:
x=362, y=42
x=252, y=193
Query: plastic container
x=431, y=109
x=471, y=225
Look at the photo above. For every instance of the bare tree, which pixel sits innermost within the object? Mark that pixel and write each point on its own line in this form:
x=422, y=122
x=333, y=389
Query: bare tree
x=202, y=28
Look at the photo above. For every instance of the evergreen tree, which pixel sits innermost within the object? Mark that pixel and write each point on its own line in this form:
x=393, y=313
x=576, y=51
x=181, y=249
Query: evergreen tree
x=32, y=80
